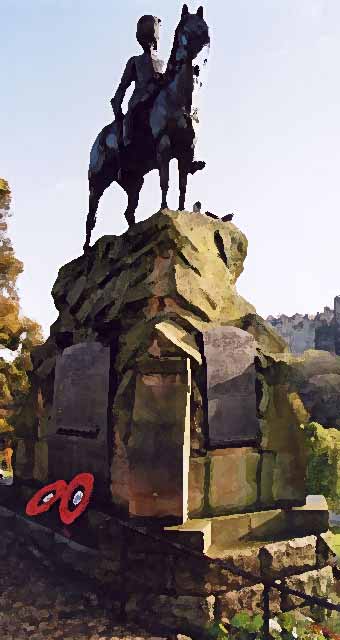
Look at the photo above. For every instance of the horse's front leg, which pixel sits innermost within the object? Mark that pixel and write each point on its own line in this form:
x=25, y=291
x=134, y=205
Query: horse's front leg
x=94, y=198
x=183, y=170
x=133, y=185
x=163, y=160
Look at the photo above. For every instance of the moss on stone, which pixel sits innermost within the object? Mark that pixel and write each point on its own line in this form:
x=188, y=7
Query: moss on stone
x=323, y=462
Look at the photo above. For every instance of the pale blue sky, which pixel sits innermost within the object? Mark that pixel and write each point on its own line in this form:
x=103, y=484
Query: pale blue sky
x=269, y=132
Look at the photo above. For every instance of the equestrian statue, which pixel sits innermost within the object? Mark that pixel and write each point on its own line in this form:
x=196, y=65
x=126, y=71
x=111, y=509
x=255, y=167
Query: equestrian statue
x=158, y=125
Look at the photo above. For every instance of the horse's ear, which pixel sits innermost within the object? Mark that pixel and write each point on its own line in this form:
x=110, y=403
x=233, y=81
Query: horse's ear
x=185, y=11
x=200, y=12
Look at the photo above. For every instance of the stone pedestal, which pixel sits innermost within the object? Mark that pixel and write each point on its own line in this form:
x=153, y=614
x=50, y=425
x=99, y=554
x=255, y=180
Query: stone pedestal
x=167, y=385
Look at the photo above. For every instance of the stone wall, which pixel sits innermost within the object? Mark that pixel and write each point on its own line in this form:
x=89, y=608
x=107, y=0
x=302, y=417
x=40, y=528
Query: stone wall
x=165, y=584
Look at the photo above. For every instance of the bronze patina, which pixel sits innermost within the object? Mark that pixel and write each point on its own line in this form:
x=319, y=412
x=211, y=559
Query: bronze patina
x=158, y=125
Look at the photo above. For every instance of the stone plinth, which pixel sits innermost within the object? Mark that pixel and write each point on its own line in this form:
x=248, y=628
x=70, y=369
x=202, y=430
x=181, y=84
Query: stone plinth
x=164, y=383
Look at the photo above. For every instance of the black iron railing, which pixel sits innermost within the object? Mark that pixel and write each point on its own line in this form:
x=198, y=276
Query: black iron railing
x=268, y=585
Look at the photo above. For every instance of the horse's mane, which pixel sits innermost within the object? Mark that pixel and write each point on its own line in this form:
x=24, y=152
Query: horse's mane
x=171, y=66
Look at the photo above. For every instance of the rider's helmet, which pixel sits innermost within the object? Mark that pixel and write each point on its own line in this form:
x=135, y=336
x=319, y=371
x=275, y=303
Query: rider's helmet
x=147, y=32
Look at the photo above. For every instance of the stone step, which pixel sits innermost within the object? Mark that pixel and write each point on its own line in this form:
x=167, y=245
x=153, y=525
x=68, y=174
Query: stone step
x=215, y=535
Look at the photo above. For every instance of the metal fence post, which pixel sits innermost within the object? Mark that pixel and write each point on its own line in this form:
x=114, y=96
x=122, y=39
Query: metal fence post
x=266, y=612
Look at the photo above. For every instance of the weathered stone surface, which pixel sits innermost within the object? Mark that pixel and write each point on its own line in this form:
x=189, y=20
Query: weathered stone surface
x=288, y=481
x=266, y=337
x=266, y=525
x=122, y=417
x=40, y=469
x=268, y=460
x=245, y=559
x=248, y=599
x=324, y=554
x=24, y=458
x=315, y=376
x=184, y=612
x=198, y=468
x=317, y=582
x=179, y=256
x=158, y=447
x=78, y=432
x=200, y=577
x=320, y=394
x=229, y=354
x=195, y=534
x=288, y=557
x=227, y=531
x=233, y=479
x=309, y=518
x=162, y=297
x=284, y=469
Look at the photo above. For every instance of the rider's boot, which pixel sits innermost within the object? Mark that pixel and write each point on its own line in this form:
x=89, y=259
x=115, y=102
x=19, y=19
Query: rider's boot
x=122, y=161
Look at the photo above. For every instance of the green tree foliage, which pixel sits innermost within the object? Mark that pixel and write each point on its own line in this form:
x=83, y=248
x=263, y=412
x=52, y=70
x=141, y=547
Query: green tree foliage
x=17, y=333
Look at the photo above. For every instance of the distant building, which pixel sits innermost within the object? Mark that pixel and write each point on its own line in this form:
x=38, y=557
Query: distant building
x=302, y=332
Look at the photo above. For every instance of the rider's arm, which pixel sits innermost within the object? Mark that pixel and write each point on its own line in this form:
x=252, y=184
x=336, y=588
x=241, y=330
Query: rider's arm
x=127, y=78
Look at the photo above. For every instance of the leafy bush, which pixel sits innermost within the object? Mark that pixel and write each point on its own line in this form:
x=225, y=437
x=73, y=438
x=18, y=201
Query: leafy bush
x=285, y=627
x=323, y=462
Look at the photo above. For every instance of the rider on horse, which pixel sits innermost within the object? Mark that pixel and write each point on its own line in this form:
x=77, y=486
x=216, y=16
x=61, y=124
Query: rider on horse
x=145, y=71
x=159, y=124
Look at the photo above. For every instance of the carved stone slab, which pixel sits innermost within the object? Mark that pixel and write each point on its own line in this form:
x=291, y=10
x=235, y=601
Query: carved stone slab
x=229, y=353
x=159, y=444
x=78, y=433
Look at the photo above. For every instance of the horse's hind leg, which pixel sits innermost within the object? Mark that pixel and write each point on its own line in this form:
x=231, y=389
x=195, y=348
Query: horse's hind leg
x=183, y=170
x=94, y=198
x=133, y=188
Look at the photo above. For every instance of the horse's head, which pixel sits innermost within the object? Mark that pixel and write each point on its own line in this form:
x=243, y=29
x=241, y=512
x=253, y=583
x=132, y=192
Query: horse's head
x=192, y=33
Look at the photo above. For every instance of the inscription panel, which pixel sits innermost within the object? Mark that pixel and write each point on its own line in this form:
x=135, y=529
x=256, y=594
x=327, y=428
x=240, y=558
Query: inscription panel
x=229, y=353
x=79, y=427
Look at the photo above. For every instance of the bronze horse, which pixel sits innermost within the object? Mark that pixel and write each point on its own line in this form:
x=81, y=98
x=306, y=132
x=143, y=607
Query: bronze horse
x=165, y=131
